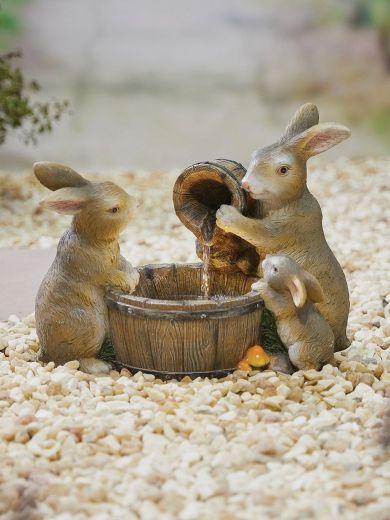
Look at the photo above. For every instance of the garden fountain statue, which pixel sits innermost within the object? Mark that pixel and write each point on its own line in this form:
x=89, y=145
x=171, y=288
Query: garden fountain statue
x=177, y=320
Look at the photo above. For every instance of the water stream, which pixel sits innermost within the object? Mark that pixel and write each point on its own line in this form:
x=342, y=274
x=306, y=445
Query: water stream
x=205, y=283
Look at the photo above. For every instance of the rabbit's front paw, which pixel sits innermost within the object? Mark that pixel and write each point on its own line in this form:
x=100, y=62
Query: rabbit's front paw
x=121, y=280
x=259, y=286
x=129, y=281
x=133, y=278
x=228, y=218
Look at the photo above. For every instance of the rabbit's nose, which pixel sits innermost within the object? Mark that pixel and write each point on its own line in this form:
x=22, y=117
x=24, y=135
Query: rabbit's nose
x=245, y=185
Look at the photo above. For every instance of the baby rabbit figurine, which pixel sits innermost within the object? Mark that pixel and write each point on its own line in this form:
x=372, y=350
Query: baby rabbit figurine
x=70, y=312
x=292, y=222
x=289, y=293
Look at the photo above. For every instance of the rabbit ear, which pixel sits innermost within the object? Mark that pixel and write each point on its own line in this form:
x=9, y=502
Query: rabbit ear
x=320, y=138
x=313, y=288
x=56, y=176
x=297, y=290
x=306, y=116
x=68, y=201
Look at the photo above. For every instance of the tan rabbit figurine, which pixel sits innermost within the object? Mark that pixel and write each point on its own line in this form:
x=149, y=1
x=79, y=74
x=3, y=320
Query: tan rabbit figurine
x=289, y=293
x=292, y=222
x=70, y=312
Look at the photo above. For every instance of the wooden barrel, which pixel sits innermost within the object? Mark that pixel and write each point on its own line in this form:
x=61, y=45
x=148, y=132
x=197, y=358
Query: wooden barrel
x=167, y=328
x=198, y=193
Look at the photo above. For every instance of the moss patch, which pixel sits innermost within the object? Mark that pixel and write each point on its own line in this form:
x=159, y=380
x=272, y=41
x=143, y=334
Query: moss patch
x=107, y=352
x=269, y=335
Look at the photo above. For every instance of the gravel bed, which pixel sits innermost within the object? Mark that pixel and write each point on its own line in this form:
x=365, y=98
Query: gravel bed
x=263, y=445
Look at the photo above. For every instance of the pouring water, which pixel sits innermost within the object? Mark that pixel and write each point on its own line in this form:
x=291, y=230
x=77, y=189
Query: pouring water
x=205, y=283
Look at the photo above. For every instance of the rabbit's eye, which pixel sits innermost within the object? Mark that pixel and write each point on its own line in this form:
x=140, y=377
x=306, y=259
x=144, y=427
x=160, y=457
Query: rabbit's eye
x=275, y=269
x=114, y=210
x=283, y=170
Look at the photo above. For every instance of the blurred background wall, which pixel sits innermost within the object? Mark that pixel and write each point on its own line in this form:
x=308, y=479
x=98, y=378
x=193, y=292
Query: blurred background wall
x=160, y=84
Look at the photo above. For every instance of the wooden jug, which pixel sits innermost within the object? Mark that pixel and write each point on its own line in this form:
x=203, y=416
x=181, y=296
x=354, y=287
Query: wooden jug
x=198, y=193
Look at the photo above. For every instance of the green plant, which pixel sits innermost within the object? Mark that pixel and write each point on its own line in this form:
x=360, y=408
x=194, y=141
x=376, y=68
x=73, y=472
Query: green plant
x=269, y=335
x=17, y=110
x=107, y=352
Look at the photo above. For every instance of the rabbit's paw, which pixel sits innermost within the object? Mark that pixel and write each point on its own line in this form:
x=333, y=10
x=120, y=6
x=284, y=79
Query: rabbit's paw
x=122, y=280
x=259, y=286
x=94, y=366
x=280, y=362
x=228, y=218
x=133, y=277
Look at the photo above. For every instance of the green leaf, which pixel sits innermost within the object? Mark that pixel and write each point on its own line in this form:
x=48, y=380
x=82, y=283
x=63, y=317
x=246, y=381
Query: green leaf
x=18, y=110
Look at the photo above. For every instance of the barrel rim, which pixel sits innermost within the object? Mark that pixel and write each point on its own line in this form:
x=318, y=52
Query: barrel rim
x=238, y=196
x=139, y=304
x=184, y=315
